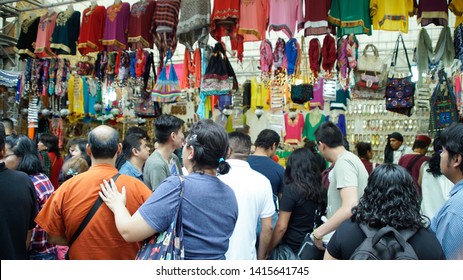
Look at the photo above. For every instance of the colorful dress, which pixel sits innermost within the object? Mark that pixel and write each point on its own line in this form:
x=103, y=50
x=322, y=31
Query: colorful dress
x=254, y=15
x=309, y=129
x=284, y=14
x=66, y=33
x=391, y=15
x=293, y=128
x=116, y=27
x=91, y=30
x=141, y=16
x=194, y=22
x=44, y=33
x=316, y=13
x=432, y=11
x=27, y=37
x=350, y=17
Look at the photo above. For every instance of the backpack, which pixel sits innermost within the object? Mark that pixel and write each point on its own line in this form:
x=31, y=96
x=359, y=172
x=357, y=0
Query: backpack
x=385, y=243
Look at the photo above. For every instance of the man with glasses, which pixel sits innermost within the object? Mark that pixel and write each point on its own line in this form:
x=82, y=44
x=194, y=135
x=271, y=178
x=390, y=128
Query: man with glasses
x=448, y=223
x=348, y=179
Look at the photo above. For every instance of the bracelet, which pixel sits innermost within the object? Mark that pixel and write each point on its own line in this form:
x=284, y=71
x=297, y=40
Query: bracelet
x=316, y=237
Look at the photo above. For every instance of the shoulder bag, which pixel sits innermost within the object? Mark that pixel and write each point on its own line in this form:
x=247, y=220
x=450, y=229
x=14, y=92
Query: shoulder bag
x=302, y=93
x=400, y=91
x=167, y=245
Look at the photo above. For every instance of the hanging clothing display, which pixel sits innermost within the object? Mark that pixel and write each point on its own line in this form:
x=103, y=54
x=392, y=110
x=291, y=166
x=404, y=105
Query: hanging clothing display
x=45, y=31
x=116, y=26
x=285, y=15
x=328, y=53
x=27, y=37
x=194, y=22
x=315, y=20
x=350, y=17
x=313, y=120
x=432, y=11
x=253, y=19
x=66, y=32
x=294, y=124
x=164, y=26
x=391, y=15
x=224, y=22
x=91, y=30
x=141, y=15
x=259, y=95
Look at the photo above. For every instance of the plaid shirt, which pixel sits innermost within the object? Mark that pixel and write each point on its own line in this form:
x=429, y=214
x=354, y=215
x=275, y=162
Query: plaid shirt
x=44, y=189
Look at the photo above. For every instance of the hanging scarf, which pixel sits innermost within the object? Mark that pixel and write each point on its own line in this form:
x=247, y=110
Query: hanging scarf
x=279, y=53
x=315, y=56
x=328, y=53
x=266, y=56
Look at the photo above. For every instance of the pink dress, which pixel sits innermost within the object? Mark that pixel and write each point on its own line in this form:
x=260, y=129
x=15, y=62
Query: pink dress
x=294, y=128
x=44, y=33
x=284, y=14
x=253, y=19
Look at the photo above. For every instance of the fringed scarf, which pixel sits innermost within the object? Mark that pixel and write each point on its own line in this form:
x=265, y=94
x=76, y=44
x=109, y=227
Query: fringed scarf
x=315, y=56
x=328, y=53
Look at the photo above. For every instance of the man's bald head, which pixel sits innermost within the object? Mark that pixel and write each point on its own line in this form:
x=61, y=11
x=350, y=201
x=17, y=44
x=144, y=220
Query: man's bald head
x=103, y=141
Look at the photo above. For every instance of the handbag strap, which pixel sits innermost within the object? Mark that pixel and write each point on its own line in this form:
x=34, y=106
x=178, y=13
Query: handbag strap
x=370, y=46
x=396, y=53
x=89, y=216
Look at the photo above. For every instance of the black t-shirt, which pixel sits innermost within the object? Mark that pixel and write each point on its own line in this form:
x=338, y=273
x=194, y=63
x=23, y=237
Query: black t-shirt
x=349, y=236
x=18, y=208
x=302, y=216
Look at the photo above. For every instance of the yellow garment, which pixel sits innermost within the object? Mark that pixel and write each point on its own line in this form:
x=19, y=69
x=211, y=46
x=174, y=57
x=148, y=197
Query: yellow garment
x=76, y=95
x=259, y=95
x=391, y=15
x=456, y=6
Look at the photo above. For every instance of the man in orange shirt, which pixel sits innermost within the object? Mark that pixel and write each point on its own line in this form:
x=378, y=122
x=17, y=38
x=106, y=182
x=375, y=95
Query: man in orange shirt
x=67, y=207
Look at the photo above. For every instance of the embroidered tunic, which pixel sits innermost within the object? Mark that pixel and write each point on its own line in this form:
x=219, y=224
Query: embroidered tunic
x=253, y=21
x=433, y=11
x=44, y=33
x=351, y=16
x=141, y=16
x=194, y=22
x=27, y=37
x=283, y=16
x=293, y=128
x=116, y=27
x=391, y=15
x=316, y=13
x=91, y=30
x=224, y=22
x=66, y=33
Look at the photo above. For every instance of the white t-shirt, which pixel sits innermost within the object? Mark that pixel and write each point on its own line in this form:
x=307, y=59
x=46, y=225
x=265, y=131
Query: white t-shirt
x=254, y=196
x=435, y=191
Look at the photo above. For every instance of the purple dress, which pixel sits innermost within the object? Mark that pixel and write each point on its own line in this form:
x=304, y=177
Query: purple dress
x=116, y=27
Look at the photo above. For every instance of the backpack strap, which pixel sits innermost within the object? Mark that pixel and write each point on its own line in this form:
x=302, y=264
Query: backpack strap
x=407, y=233
x=368, y=231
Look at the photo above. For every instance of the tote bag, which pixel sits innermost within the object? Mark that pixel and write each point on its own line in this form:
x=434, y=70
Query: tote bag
x=167, y=89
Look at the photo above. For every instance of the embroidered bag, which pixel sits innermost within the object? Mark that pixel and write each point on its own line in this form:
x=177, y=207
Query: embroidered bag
x=219, y=78
x=443, y=105
x=167, y=89
x=167, y=245
x=400, y=91
x=302, y=93
x=146, y=107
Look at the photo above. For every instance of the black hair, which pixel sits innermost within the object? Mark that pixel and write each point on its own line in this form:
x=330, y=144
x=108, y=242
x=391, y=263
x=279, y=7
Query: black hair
x=303, y=173
x=210, y=143
x=267, y=138
x=420, y=144
x=2, y=136
x=390, y=198
x=131, y=141
x=362, y=149
x=25, y=149
x=166, y=124
x=240, y=144
x=312, y=146
x=452, y=141
x=137, y=129
x=103, y=146
x=329, y=134
x=51, y=142
x=434, y=161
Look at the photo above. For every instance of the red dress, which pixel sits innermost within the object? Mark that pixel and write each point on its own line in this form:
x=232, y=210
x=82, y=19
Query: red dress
x=141, y=16
x=56, y=165
x=91, y=30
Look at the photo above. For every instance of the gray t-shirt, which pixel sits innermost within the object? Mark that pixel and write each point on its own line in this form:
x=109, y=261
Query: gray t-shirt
x=348, y=171
x=156, y=169
x=209, y=211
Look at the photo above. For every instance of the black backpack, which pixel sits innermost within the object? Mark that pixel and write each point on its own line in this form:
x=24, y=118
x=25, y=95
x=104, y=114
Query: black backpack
x=385, y=244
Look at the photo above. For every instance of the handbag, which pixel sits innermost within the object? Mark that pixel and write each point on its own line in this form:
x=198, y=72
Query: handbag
x=283, y=252
x=167, y=89
x=302, y=93
x=145, y=106
x=443, y=105
x=400, y=91
x=368, y=81
x=371, y=63
x=167, y=245
x=308, y=250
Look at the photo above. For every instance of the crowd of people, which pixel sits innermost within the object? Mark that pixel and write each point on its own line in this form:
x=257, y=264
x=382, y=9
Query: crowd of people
x=237, y=203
